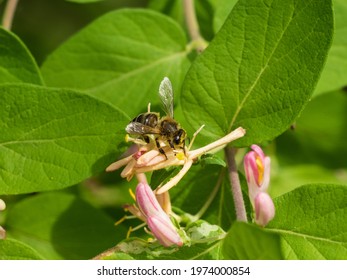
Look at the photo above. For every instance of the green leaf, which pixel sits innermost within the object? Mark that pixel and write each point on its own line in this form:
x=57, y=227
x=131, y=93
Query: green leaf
x=260, y=70
x=16, y=62
x=61, y=226
x=334, y=73
x=312, y=222
x=248, y=242
x=14, y=250
x=319, y=144
x=53, y=138
x=172, y=8
x=223, y=9
x=319, y=134
x=121, y=58
x=205, y=244
x=222, y=209
x=199, y=185
x=211, y=159
x=286, y=178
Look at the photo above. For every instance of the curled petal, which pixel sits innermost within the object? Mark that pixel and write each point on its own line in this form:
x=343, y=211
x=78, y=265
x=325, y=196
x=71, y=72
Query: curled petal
x=118, y=164
x=147, y=157
x=164, y=231
x=128, y=171
x=256, y=164
x=258, y=151
x=251, y=172
x=125, y=158
x=158, y=163
x=156, y=160
x=257, y=170
x=264, y=209
x=266, y=178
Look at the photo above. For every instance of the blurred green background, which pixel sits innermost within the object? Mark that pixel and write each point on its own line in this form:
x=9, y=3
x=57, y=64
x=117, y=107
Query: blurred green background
x=44, y=24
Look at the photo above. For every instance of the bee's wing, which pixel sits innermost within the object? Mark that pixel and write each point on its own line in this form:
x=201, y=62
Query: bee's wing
x=166, y=96
x=139, y=128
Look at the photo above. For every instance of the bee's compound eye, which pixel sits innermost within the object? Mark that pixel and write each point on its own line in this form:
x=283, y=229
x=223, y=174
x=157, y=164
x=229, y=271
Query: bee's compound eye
x=179, y=137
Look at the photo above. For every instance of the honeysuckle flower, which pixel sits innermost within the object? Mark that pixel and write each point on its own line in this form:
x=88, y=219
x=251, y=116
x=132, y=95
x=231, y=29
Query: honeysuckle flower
x=157, y=220
x=148, y=158
x=264, y=209
x=2, y=230
x=257, y=169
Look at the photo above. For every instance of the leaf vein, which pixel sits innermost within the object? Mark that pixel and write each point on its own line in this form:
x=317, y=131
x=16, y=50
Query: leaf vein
x=136, y=71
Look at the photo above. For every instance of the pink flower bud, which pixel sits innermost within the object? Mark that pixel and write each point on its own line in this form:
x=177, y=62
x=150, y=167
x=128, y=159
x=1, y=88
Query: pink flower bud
x=164, y=231
x=2, y=205
x=2, y=230
x=158, y=221
x=257, y=169
x=264, y=209
x=2, y=233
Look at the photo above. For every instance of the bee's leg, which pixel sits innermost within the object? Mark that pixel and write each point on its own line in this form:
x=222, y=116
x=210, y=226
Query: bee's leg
x=160, y=148
x=171, y=144
x=146, y=138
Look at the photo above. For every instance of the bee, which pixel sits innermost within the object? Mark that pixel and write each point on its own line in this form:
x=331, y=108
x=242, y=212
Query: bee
x=165, y=130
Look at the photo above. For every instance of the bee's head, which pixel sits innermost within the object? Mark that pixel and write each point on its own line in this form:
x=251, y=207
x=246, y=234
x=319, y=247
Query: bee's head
x=179, y=136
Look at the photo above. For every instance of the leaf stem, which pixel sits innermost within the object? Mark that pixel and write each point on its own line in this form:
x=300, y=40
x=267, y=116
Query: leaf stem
x=235, y=185
x=198, y=41
x=9, y=11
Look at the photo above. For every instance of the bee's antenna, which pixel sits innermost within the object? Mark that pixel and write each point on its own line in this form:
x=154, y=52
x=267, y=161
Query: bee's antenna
x=194, y=135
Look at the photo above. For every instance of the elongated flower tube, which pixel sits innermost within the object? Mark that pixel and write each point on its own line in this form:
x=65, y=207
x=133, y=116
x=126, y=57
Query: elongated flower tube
x=2, y=230
x=257, y=169
x=157, y=220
